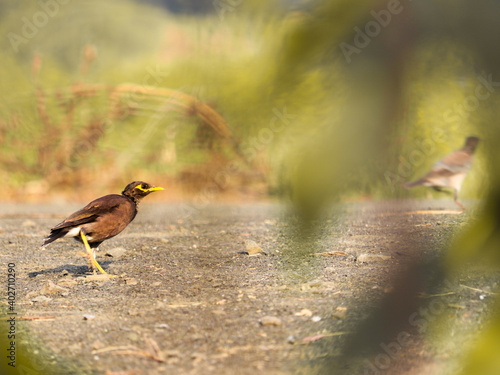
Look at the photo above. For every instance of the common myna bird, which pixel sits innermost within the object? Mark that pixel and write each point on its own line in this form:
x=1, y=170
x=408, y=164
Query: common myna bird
x=102, y=219
x=450, y=171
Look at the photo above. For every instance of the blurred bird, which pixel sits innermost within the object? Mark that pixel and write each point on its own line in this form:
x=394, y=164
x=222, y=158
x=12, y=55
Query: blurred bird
x=102, y=219
x=450, y=171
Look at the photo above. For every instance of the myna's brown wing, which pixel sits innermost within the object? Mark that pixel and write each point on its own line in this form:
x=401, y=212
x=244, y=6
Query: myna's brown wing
x=441, y=170
x=456, y=162
x=88, y=214
x=92, y=211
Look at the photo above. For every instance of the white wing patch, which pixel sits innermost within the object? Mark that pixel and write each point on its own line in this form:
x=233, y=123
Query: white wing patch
x=74, y=232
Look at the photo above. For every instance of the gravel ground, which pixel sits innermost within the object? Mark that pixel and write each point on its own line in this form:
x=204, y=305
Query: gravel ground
x=189, y=300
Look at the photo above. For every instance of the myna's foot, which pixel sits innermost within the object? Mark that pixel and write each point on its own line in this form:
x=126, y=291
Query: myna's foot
x=92, y=261
x=460, y=205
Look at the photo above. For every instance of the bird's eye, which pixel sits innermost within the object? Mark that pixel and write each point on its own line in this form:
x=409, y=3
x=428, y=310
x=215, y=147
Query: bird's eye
x=144, y=186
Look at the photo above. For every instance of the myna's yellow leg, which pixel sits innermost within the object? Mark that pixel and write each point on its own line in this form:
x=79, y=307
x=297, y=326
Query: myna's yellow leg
x=91, y=264
x=455, y=196
x=91, y=256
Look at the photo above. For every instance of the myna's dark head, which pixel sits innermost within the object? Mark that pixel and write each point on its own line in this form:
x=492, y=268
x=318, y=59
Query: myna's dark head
x=139, y=189
x=471, y=144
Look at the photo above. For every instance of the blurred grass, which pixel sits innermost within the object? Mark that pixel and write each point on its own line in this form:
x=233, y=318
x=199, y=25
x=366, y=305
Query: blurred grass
x=249, y=65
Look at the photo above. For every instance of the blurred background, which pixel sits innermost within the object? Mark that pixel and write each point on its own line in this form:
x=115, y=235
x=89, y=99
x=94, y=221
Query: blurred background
x=237, y=99
x=306, y=101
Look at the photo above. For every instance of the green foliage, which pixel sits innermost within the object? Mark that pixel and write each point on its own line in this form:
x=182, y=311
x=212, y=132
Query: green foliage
x=121, y=30
x=278, y=79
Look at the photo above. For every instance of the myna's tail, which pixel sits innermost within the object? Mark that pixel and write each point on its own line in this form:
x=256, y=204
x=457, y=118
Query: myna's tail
x=54, y=235
x=419, y=182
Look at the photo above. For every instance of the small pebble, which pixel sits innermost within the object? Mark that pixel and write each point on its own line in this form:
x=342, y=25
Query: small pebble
x=372, y=258
x=97, y=344
x=51, y=288
x=67, y=281
x=98, y=277
x=339, y=315
x=270, y=321
x=116, y=252
x=304, y=312
x=131, y=281
x=253, y=248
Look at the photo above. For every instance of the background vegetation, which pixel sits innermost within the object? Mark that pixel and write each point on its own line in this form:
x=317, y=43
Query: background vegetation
x=100, y=94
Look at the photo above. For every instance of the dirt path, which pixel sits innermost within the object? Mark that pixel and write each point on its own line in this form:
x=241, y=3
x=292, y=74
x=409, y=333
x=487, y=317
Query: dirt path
x=188, y=301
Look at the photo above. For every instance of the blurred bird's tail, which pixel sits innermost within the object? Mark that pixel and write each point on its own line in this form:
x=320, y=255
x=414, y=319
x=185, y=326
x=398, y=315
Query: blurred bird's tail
x=54, y=235
x=409, y=185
